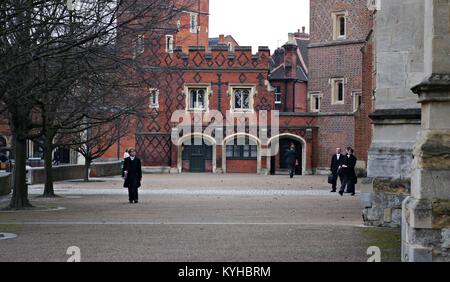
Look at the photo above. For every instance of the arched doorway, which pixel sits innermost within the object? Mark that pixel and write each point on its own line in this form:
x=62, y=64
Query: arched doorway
x=279, y=145
x=241, y=153
x=197, y=154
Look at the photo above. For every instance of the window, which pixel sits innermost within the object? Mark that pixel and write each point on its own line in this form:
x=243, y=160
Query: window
x=169, y=43
x=242, y=150
x=338, y=91
x=139, y=47
x=193, y=146
x=197, y=97
x=315, y=100
x=242, y=98
x=154, y=98
x=277, y=95
x=357, y=101
x=193, y=26
x=230, y=46
x=340, y=25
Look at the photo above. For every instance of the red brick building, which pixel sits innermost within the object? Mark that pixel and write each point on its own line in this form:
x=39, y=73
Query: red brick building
x=214, y=83
x=337, y=69
x=315, y=92
x=289, y=79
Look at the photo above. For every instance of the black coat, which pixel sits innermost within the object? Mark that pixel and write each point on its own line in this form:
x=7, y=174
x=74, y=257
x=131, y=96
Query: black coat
x=291, y=158
x=134, y=175
x=335, y=163
x=349, y=171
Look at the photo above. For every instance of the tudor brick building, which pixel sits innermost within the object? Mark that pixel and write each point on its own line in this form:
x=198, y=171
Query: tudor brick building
x=210, y=81
x=317, y=89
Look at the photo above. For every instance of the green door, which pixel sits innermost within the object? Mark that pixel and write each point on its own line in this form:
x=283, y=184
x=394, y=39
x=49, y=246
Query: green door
x=198, y=157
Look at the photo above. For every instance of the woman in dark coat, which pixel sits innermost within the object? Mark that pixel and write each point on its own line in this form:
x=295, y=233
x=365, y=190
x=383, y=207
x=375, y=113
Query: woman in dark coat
x=132, y=173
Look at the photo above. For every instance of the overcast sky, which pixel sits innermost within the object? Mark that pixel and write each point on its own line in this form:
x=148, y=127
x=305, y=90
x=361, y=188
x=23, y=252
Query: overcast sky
x=258, y=22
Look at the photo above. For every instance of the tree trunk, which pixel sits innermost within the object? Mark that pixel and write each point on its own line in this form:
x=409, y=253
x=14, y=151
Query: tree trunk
x=19, y=198
x=49, y=192
x=87, y=166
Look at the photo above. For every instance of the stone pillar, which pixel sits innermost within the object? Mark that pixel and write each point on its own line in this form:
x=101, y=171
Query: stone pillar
x=175, y=166
x=426, y=213
x=398, y=47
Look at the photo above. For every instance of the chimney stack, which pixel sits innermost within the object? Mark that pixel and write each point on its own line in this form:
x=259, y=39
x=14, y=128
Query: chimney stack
x=221, y=39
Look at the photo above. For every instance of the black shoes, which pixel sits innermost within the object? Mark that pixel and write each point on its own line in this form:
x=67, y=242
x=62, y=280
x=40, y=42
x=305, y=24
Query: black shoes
x=333, y=191
x=341, y=193
x=134, y=202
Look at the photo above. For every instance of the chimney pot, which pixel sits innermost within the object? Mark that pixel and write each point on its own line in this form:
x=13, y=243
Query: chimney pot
x=221, y=39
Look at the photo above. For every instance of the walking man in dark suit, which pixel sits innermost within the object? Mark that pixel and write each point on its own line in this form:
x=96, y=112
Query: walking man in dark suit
x=349, y=173
x=291, y=160
x=132, y=173
x=336, y=162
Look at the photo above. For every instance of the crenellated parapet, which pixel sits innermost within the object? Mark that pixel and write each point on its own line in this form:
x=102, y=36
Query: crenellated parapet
x=219, y=57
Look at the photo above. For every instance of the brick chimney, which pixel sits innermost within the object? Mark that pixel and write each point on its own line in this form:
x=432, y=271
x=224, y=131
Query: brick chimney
x=290, y=57
x=302, y=33
x=221, y=39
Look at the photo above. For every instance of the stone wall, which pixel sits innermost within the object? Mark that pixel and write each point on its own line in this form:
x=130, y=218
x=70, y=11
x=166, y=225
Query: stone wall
x=5, y=184
x=72, y=172
x=426, y=213
x=399, y=52
x=105, y=169
x=382, y=199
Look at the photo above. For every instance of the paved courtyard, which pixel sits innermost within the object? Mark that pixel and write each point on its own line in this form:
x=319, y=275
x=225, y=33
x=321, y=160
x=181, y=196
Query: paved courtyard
x=195, y=217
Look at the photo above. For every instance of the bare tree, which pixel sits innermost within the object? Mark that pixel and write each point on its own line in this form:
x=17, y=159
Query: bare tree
x=51, y=55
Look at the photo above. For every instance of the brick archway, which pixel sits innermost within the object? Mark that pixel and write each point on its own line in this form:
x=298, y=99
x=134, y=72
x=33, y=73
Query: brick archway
x=275, y=140
x=230, y=138
x=204, y=137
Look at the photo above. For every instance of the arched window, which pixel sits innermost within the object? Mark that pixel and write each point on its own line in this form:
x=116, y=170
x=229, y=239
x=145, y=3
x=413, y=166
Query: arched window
x=242, y=149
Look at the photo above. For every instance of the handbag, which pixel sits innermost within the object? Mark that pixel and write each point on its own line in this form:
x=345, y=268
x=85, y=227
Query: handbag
x=330, y=178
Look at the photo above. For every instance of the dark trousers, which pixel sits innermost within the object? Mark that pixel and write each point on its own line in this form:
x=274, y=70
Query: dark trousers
x=291, y=171
x=133, y=193
x=335, y=178
x=349, y=183
x=351, y=187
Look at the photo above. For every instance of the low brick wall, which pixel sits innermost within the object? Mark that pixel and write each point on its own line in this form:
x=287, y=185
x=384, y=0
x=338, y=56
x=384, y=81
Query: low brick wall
x=5, y=183
x=36, y=175
x=72, y=172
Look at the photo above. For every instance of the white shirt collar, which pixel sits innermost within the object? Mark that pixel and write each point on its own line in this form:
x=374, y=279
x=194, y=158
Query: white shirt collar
x=132, y=158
